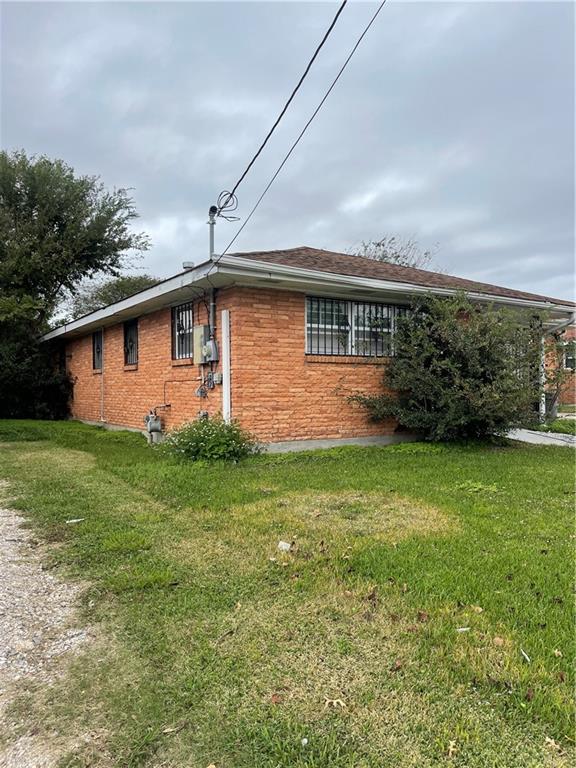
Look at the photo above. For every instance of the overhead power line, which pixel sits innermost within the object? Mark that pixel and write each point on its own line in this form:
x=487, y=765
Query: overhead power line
x=303, y=131
x=225, y=199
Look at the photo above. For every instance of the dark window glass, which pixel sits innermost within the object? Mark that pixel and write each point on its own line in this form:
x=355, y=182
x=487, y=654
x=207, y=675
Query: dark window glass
x=570, y=356
x=182, y=329
x=337, y=327
x=97, y=350
x=131, y=342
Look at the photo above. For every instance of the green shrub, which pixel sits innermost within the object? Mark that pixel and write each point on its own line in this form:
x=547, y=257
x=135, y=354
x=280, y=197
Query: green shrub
x=460, y=371
x=210, y=440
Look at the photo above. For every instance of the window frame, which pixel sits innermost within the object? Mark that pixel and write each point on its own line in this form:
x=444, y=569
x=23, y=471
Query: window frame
x=354, y=310
x=98, y=355
x=330, y=329
x=570, y=344
x=186, y=309
x=128, y=326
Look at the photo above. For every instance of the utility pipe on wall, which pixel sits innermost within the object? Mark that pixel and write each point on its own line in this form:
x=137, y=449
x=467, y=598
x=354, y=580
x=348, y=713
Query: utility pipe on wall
x=212, y=314
x=102, y=395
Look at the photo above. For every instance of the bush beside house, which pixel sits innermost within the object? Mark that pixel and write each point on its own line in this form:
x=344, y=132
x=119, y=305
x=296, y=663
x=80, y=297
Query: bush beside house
x=210, y=439
x=460, y=371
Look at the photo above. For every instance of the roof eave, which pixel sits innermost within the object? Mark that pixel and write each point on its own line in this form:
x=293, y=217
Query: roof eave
x=236, y=265
x=138, y=301
x=235, y=268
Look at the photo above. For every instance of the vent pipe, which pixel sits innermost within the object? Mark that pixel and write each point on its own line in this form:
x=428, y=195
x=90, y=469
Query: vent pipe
x=212, y=213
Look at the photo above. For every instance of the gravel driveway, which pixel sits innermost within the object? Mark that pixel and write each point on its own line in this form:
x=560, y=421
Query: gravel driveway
x=38, y=634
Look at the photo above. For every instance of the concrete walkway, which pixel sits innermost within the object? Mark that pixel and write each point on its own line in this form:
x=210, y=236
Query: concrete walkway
x=542, y=438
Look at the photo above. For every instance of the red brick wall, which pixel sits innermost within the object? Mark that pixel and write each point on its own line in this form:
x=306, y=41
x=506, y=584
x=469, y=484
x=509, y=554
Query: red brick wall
x=124, y=394
x=278, y=392
x=568, y=394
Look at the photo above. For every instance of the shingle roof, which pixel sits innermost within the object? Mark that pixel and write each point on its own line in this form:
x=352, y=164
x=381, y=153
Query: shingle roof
x=359, y=266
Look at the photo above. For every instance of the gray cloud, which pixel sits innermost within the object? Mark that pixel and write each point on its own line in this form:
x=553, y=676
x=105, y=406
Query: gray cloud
x=454, y=123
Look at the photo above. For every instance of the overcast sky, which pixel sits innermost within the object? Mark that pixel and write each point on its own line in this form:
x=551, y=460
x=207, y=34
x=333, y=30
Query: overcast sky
x=454, y=123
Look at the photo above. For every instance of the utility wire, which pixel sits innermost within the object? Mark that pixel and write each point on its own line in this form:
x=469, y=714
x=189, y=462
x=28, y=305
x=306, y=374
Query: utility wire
x=226, y=197
x=302, y=132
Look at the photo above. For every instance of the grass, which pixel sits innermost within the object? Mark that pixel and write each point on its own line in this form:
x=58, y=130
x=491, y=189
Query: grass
x=560, y=426
x=567, y=408
x=217, y=648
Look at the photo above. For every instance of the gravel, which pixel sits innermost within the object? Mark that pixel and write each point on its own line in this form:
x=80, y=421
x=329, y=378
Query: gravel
x=38, y=633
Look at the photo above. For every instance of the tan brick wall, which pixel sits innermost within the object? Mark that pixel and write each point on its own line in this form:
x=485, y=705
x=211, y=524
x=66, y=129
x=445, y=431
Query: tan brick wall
x=278, y=392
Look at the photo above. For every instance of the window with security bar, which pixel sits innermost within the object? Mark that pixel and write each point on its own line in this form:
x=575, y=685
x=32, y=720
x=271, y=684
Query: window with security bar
x=570, y=356
x=338, y=327
x=131, y=342
x=97, y=348
x=182, y=332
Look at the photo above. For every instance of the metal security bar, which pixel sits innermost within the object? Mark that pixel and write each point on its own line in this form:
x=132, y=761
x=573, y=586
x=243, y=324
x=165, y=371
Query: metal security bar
x=363, y=329
x=327, y=326
x=97, y=346
x=182, y=330
x=131, y=342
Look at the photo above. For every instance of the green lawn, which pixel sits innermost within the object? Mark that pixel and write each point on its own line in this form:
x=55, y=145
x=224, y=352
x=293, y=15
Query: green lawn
x=216, y=648
x=560, y=426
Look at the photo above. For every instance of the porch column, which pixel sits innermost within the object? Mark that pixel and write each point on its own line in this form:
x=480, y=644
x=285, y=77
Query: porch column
x=542, y=404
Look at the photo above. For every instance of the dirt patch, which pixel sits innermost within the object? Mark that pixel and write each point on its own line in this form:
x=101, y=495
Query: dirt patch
x=368, y=513
x=38, y=634
x=65, y=459
x=246, y=536
x=350, y=514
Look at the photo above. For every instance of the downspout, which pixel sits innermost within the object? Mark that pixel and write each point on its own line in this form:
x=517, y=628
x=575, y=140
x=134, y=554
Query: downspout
x=560, y=327
x=102, y=363
x=226, y=378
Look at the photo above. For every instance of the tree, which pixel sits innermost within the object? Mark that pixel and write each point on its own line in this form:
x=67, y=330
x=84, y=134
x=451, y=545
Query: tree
x=406, y=252
x=55, y=230
x=460, y=370
x=97, y=293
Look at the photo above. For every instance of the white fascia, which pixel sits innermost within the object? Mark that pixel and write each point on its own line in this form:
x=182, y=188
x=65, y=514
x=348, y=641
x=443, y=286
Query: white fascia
x=182, y=280
x=237, y=268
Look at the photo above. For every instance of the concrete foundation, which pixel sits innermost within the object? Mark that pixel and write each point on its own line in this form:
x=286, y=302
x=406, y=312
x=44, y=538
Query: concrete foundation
x=291, y=446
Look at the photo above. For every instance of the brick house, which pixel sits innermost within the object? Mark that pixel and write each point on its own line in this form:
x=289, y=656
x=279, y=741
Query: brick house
x=568, y=393
x=294, y=333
